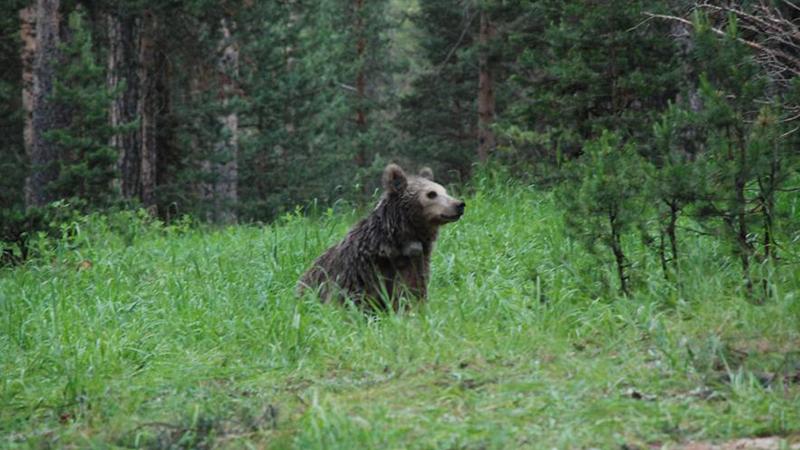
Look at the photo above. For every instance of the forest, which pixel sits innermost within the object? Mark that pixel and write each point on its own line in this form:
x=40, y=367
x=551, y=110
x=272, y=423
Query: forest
x=626, y=274
x=235, y=112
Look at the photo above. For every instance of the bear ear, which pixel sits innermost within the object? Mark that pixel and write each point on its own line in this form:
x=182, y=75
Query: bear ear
x=394, y=179
x=426, y=173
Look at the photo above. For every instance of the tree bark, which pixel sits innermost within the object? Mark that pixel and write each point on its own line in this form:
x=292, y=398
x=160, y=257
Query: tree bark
x=123, y=79
x=227, y=149
x=45, y=113
x=361, y=45
x=486, y=101
x=361, y=83
x=290, y=61
x=146, y=110
x=27, y=18
x=218, y=188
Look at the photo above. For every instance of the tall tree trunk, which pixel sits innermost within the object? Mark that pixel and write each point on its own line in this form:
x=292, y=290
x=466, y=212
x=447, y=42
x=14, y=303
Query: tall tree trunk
x=146, y=110
x=169, y=159
x=27, y=18
x=219, y=164
x=46, y=114
x=123, y=36
x=486, y=101
x=361, y=83
x=227, y=149
x=291, y=61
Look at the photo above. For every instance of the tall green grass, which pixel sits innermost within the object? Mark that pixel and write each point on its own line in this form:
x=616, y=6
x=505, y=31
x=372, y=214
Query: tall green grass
x=131, y=334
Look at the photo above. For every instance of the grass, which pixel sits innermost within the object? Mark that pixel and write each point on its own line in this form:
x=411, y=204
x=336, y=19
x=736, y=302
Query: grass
x=136, y=335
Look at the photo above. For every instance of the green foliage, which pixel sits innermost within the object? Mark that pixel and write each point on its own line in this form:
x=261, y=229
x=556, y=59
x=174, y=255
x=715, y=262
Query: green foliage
x=581, y=68
x=87, y=164
x=191, y=100
x=678, y=178
x=745, y=159
x=25, y=232
x=439, y=114
x=715, y=153
x=306, y=146
x=129, y=333
x=12, y=151
x=13, y=164
x=605, y=201
x=676, y=139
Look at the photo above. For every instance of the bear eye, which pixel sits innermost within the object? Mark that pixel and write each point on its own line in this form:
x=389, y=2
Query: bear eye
x=432, y=194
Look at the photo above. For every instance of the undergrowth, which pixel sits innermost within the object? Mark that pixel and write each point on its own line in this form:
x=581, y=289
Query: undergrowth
x=130, y=333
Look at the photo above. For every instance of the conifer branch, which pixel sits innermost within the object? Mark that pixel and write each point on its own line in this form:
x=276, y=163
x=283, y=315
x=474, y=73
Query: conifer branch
x=778, y=60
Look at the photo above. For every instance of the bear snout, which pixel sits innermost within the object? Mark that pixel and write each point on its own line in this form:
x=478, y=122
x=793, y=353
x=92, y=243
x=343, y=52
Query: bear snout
x=460, y=208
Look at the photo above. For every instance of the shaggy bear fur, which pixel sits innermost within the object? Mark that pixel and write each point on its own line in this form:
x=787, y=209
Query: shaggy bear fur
x=388, y=253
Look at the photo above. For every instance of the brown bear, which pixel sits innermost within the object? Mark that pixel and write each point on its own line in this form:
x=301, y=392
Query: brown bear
x=388, y=253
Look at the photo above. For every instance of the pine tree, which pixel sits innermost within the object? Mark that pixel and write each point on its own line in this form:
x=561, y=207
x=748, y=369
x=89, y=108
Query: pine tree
x=748, y=159
x=12, y=111
x=587, y=67
x=317, y=131
x=675, y=183
x=604, y=201
x=46, y=113
x=87, y=161
x=439, y=113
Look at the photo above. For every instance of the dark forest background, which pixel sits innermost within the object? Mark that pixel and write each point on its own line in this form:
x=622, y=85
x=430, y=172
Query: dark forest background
x=639, y=114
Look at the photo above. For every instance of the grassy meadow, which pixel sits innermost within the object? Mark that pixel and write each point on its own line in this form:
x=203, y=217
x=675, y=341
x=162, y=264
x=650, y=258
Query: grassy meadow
x=129, y=335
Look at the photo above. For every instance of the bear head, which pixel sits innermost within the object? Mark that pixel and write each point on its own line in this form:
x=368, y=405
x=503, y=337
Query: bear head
x=426, y=200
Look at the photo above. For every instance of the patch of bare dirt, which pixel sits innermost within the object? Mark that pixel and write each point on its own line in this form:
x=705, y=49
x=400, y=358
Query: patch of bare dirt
x=763, y=443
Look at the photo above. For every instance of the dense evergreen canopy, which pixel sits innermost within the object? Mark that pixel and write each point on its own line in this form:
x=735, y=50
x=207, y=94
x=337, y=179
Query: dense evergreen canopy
x=242, y=110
